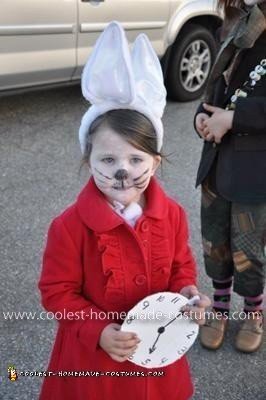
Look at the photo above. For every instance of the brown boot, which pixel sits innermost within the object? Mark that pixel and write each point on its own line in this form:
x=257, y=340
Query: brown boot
x=250, y=335
x=213, y=332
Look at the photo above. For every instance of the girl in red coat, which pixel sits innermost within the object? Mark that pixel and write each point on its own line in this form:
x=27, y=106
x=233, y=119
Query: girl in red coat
x=122, y=240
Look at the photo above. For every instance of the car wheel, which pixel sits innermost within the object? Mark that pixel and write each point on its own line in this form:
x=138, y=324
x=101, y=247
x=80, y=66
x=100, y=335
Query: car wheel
x=190, y=62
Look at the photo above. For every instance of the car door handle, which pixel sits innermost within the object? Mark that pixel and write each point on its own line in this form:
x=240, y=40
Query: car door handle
x=91, y=1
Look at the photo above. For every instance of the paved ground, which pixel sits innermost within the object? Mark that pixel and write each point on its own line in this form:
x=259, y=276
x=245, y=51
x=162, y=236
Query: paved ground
x=39, y=163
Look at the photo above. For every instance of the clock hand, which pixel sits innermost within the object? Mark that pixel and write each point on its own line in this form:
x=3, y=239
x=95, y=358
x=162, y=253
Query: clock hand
x=190, y=302
x=172, y=320
x=160, y=331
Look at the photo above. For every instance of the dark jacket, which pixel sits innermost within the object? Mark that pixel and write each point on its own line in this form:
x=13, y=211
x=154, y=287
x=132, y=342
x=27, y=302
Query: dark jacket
x=238, y=164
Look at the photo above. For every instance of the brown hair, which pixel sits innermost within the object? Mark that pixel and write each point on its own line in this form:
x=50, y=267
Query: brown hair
x=133, y=126
x=226, y=4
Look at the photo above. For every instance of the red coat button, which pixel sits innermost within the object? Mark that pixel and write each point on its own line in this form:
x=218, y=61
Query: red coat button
x=144, y=226
x=140, y=279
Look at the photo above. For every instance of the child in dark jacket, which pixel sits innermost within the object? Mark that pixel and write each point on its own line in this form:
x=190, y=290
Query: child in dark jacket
x=232, y=171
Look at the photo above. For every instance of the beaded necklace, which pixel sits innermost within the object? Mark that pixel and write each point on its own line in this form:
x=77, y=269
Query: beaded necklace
x=254, y=76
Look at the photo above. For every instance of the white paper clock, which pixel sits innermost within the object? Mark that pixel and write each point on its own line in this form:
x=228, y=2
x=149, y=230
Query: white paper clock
x=165, y=333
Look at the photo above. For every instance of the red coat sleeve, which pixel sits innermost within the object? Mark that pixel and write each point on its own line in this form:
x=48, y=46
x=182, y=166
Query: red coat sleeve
x=184, y=266
x=61, y=287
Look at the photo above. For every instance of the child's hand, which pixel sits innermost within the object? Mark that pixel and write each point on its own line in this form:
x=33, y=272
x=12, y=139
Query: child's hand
x=218, y=124
x=119, y=345
x=199, y=123
x=196, y=312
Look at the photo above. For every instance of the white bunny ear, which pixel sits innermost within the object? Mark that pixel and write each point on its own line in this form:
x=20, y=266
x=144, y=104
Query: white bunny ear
x=148, y=75
x=108, y=76
x=114, y=78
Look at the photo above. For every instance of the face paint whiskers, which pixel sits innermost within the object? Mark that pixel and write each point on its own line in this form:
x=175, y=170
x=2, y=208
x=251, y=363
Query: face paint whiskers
x=103, y=176
x=141, y=184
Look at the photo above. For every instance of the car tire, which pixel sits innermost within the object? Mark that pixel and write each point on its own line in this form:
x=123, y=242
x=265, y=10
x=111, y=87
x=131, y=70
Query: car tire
x=191, y=58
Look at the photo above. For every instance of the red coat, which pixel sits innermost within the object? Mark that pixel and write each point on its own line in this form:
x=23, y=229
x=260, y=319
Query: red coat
x=94, y=261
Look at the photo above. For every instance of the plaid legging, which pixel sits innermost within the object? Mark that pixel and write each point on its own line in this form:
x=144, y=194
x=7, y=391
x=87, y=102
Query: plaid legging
x=234, y=241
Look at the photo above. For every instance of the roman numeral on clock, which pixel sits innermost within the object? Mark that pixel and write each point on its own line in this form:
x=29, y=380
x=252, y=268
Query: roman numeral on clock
x=175, y=300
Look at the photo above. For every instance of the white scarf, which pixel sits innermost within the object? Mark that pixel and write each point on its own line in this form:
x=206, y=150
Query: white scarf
x=130, y=213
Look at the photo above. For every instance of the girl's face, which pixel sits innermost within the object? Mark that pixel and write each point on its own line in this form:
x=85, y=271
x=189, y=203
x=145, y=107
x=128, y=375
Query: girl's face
x=121, y=172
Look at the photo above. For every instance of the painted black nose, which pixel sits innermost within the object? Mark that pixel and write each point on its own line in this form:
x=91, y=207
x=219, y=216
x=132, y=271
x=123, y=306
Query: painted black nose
x=121, y=174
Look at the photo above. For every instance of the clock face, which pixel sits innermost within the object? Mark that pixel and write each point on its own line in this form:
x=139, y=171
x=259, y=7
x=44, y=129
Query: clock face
x=165, y=333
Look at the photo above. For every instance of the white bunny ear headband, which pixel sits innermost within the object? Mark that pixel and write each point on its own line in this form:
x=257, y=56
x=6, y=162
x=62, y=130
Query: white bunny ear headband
x=115, y=78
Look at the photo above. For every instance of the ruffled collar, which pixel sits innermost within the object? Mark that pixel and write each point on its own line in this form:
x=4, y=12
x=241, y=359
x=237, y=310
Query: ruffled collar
x=98, y=215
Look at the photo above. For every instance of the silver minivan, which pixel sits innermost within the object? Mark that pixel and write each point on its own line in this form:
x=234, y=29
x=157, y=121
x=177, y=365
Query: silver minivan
x=47, y=42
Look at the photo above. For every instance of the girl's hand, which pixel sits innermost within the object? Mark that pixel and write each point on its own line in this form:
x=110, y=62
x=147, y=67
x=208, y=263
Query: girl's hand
x=218, y=124
x=119, y=345
x=196, y=312
x=199, y=123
